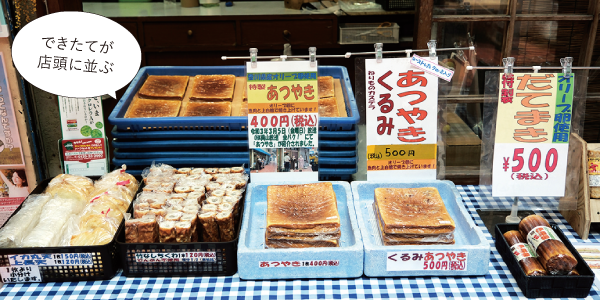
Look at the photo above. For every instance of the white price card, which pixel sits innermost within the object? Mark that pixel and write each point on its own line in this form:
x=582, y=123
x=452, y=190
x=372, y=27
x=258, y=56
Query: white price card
x=532, y=135
x=298, y=263
x=20, y=274
x=431, y=67
x=160, y=257
x=427, y=261
x=51, y=259
x=401, y=120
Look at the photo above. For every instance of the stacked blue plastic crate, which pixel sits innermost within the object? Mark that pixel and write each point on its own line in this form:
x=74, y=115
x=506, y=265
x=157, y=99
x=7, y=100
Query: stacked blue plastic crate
x=222, y=141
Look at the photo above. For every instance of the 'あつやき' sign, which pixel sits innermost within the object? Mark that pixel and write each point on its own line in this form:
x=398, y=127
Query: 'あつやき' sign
x=532, y=134
x=401, y=120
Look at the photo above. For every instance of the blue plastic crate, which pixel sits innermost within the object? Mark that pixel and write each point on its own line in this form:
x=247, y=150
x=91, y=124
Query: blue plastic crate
x=220, y=123
x=338, y=171
x=182, y=162
x=212, y=134
x=251, y=249
x=338, y=144
x=177, y=145
x=350, y=161
x=329, y=153
x=123, y=154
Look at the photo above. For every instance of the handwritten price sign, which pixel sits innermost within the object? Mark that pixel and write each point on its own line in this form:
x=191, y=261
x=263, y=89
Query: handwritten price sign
x=532, y=135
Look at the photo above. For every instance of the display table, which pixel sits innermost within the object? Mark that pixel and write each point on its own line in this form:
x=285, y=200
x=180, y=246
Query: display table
x=498, y=283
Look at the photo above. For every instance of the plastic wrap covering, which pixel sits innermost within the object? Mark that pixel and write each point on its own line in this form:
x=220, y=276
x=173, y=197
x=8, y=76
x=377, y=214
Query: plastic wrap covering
x=524, y=254
x=303, y=213
x=166, y=231
x=183, y=231
x=51, y=223
x=120, y=178
x=147, y=230
x=11, y=235
x=193, y=219
x=96, y=236
x=210, y=229
x=70, y=187
x=226, y=225
x=552, y=253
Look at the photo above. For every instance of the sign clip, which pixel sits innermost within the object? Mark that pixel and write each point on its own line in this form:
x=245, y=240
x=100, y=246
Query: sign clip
x=379, y=52
x=431, y=45
x=567, y=64
x=253, y=53
x=509, y=63
x=312, y=53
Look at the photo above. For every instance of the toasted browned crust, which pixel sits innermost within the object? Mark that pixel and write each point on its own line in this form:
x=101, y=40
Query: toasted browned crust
x=213, y=87
x=305, y=206
x=206, y=109
x=326, y=88
x=328, y=107
x=144, y=108
x=164, y=87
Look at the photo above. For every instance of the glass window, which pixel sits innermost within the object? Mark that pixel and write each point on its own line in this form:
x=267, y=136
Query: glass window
x=473, y=7
x=553, y=7
x=544, y=43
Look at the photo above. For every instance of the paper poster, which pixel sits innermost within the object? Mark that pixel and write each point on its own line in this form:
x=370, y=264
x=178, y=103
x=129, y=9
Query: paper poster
x=532, y=135
x=81, y=118
x=13, y=191
x=401, y=120
x=283, y=120
x=11, y=154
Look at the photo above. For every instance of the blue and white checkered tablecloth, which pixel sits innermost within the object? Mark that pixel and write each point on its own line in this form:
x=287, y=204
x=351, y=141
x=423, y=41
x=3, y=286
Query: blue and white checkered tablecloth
x=498, y=283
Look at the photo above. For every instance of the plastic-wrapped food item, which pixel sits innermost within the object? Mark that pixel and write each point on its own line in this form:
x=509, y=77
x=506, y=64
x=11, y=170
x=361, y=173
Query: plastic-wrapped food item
x=224, y=170
x=193, y=219
x=183, y=232
x=117, y=191
x=131, y=230
x=197, y=196
x=116, y=202
x=198, y=188
x=226, y=225
x=191, y=209
x=23, y=221
x=166, y=231
x=236, y=193
x=50, y=228
x=103, y=206
x=147, y=230
x=239, y=183
x=524, y=254
x=138, y=213
x=158, y=212
x=210, y=229
x=234, y=202
x=207, y=178
x=224, y=207
x=159, y=169
x=67, y=186
x=173, y=216
x=179, y=196
x=237, y=170
x=229, y=186
x=120, y=177
x=174, y=201
x=183, y=189
x=300, y=243
x=213, y=200
x=101, y=219
x=157, y=204
x=197, y=171
x=552, y=253
x=208, y=208
x=210, y=170
x=305, y=234
x=212, y=186
x=96, y=236
x=419, y=211
x=218, y=193
x=191, y=201
x=184, y=171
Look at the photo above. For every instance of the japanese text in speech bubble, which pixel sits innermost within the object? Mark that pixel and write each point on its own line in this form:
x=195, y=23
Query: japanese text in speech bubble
x=76, y=54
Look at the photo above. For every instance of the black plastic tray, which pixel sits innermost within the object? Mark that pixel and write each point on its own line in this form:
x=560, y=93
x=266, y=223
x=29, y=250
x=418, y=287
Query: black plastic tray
x=546, y=286
x=225, y=264
x=105, y=262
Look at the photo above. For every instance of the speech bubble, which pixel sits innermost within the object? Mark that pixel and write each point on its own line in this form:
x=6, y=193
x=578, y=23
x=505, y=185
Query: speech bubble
x=76, y=54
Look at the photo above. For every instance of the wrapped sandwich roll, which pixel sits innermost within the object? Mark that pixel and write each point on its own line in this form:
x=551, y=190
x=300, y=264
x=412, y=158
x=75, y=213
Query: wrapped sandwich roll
x=166, y=231
x=19, y=225
x=131, y=230
x=553, y=254
x=193, y=219
x=524, y=254
x=183, y=231
x=210, y=229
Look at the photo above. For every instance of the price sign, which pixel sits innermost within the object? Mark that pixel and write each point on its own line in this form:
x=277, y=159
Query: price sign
x=283, y=120
x=51, y=259
x=298, y=263
x=532, y=135
x=401, y=120
x=176, y=257
x=427, y=261
x=20, y=274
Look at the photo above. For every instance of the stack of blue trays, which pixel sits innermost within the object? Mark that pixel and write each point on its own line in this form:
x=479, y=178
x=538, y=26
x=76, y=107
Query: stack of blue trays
x=222, y=141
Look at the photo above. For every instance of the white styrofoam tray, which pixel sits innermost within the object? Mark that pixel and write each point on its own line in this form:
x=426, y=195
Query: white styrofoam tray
x=468, y=237
x=251, y=246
